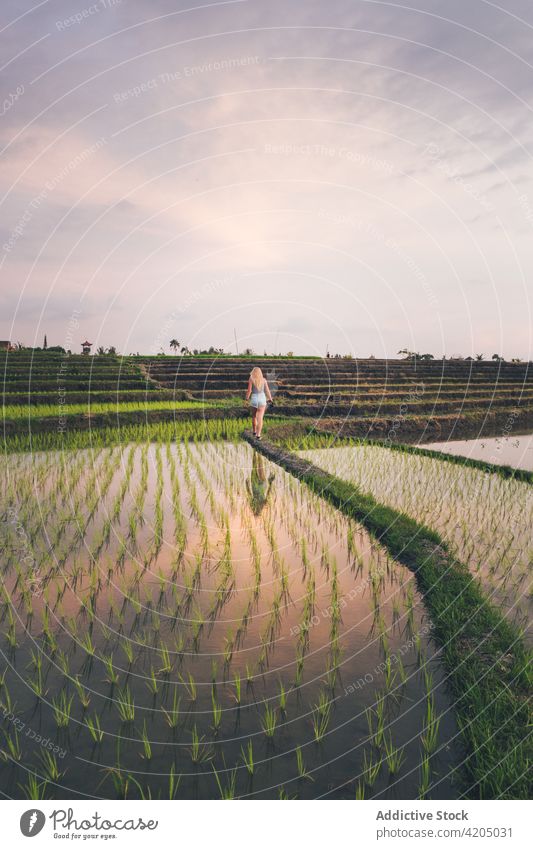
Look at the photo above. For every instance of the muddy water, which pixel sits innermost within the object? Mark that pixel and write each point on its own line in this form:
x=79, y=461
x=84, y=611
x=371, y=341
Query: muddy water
x=485, y=518
x=247, y=578
x=515, y=451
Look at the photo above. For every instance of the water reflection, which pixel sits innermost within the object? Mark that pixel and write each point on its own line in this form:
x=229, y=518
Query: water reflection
x=259, y=485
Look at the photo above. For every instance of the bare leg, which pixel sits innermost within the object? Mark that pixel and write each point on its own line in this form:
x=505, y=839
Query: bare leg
x=254, y=419
x=259, y=425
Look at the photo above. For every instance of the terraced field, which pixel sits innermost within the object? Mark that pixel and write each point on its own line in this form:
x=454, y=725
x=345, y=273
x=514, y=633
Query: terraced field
x=412, y=400
x=182, y=614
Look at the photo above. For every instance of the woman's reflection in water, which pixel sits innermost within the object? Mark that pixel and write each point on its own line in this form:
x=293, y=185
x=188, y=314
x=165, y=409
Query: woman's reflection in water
x=259, y=485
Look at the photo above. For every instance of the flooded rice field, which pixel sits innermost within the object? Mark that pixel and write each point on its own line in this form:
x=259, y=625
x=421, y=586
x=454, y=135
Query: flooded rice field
x=485, y=518
x=515, y=451
x=190, y=621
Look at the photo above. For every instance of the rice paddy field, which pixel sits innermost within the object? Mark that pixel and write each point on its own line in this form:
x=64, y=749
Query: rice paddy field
x=485, y=518
x=186, y=620
x=186, y=615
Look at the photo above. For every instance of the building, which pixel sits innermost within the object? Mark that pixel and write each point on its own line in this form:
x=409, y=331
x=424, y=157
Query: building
x=86, y=348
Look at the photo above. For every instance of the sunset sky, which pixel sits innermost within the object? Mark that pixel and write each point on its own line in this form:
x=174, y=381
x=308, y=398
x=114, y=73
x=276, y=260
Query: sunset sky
x=351, y=174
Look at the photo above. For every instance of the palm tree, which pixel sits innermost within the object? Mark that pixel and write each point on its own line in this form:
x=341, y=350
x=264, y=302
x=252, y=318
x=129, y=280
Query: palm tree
x=174, y=344
x=479, y=356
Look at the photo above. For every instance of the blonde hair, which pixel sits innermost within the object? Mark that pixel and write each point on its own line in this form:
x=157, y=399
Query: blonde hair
x=256, y=376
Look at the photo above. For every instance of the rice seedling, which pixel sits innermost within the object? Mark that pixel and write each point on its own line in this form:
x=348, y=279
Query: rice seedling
x=248, y=757
x=173, y=783
x=269, y=721
x=321, y=717
x=50, y=767
x=125, y=705
x=394, y=756
x=83, y=694
x=152, y=683
x=62, y=707
x=94, y=728
x=217, y=711
x=282, y=698
x=12, y=750
x=190, y=686
x=424, y=783
x=227, y=791
x=371, y=769
x=237, y=688
x=166, y=661
x=199, y=751
x=34, y=789
x=172, y=716
x=302, y=771
x=147, y=746
x=430, y=736
x=112, y=676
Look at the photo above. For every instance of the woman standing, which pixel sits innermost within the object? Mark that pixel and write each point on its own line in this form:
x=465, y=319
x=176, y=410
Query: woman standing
x=257, y=394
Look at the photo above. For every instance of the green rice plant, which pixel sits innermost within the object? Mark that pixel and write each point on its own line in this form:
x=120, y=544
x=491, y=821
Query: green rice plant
x=12, y=750
x=152, y=683
x=371, y=769
x=83, y=694
x=173, y=783
x=248, y=757
x=217, y=711
x=125, y=705
x=269, y=721
x=302, y=771
x=237, y=688
x=430, y=736
x=360, y=790
x=227, y=791
x=172, y=716
x=147, y=746
x=50, y=766
x=199, y=751
x=425, y=777
x=283, y=795
x=62, y=707
x=34, y=789
x=395, y=756
x=282, y=698
x=86, y=642
x=112, y=676
x=94, y=728
x=166, y=661
x=127, y=648
x=321, y=717
x=190, y=686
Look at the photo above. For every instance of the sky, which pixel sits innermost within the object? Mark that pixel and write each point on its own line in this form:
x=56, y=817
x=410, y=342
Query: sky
x=352, y=175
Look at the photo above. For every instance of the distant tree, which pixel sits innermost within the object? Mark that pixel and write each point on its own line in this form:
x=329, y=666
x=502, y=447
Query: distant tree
x=174, y=344
x=479, y=357
x=498, y=358
x=57, y=349
x=45, y=344
x=248, y=352
x=409, y=355
x=100, y=351
x=111, y=351
x=516, y=360
x=425, y=357
x=469, y=358
x=290, y=353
